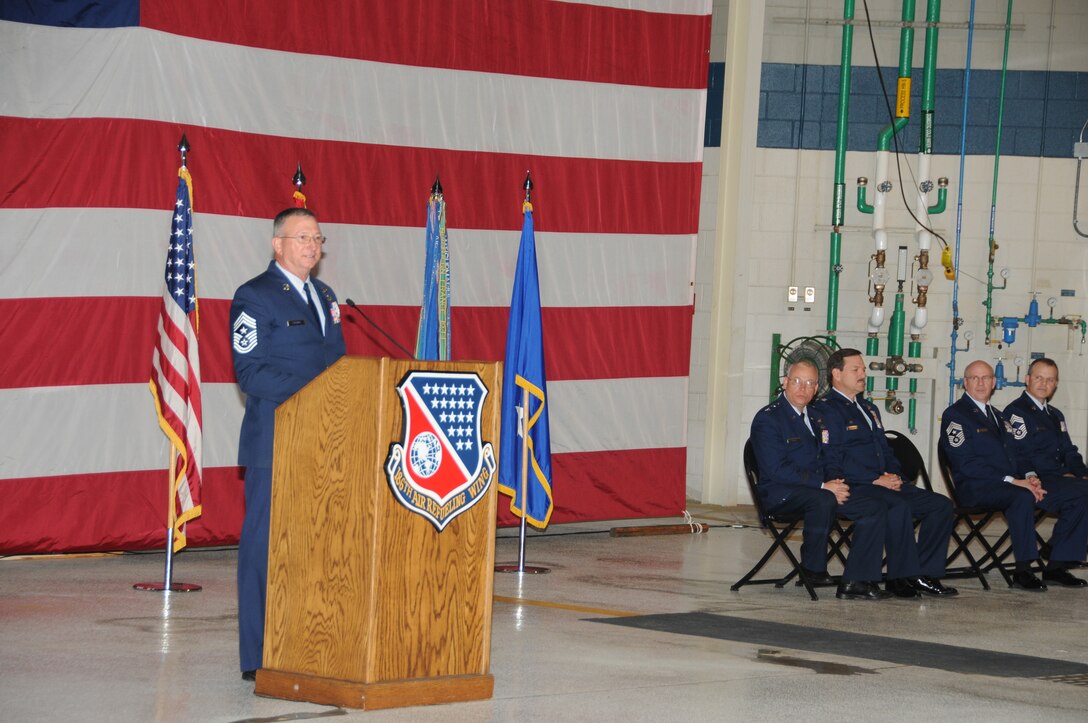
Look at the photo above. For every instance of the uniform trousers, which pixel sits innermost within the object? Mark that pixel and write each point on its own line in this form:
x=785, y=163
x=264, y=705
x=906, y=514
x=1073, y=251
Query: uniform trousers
x=906, y=557
x=253, y=567
x=1066, y=497
x=820, y=509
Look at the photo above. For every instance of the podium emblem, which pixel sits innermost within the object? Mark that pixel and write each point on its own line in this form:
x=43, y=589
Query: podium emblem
x=442, y=467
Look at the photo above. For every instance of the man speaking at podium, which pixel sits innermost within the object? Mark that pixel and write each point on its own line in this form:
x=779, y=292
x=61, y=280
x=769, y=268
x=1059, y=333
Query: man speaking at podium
x=285, y=330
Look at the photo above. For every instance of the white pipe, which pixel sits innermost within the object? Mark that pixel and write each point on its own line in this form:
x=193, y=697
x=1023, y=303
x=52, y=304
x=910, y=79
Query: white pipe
x=921, y=316
x=876, y=319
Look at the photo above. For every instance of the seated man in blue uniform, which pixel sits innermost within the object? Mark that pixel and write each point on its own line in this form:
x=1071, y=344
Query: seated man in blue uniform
x=978, y=442
x=1040, y=436
x=792, y=480
x=285, y=331
x=857, y=450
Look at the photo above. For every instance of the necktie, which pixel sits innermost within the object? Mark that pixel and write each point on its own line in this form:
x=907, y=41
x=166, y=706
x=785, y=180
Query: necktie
x=993, y=417
x=864, y=414
x=313, y=307
x=804, y=418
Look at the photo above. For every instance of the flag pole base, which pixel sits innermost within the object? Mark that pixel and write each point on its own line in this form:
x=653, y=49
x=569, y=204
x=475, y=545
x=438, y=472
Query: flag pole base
x=161, y=587
x=527, y=569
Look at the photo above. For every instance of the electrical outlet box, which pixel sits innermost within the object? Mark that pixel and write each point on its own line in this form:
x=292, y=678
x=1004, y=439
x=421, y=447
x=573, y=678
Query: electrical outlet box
x=1080, y=149
x=792, y=294
x=810, y=294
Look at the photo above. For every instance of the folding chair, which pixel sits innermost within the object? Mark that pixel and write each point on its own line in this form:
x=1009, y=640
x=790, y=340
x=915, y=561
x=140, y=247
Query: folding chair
x=781, y=527
x=913, y=467
x=975, y=518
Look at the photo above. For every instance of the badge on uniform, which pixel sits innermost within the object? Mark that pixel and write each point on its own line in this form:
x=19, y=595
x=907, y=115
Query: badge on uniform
x=245, y=333
x=955, y=435
x=334, y=311
x=1019, y=427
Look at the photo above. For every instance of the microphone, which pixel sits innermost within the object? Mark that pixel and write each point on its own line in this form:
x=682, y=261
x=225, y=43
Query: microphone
x=370, y=321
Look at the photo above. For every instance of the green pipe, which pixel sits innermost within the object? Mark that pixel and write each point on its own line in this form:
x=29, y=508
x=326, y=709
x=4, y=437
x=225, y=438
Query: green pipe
x=989, y=303
x=925, y=146
x=902, y=91
x=895, y=338
x=942, y=198
x=912, y=404
x=776, y=371
x=895, y=329
x=838, y=211
x=863, y=205
x=884, y=140
x=929, y=76
x=872, y=348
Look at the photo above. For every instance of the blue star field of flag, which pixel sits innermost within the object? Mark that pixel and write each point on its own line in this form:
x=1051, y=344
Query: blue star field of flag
x=180, y=264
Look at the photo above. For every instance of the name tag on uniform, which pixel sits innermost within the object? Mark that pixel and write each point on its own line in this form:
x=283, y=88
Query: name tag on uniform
x=295, y=322
x=851, y=427
x=791, y=440
x=982, y=429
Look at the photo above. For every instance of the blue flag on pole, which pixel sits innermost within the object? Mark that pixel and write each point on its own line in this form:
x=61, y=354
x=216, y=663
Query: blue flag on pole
x=433, y=336
x=524, y=371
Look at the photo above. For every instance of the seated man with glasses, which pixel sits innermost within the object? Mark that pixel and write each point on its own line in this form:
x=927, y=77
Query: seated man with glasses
x=979, y=443
x=857, y=450
x=792, y=480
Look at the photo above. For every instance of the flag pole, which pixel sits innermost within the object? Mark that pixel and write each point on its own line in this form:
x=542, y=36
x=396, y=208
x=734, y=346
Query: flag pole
x=171, y=489
x=523, y=425
x=521, y=567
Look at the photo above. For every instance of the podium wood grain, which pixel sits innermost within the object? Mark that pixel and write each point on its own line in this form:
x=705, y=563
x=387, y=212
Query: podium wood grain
x=368, y=605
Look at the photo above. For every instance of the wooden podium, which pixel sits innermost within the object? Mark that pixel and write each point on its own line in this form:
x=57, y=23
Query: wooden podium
x=369, y=605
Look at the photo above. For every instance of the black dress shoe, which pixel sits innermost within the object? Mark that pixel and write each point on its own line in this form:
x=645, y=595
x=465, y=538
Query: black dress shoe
x=817, y=579
x=858, y=590
x=1026, y=580
x=1063, y=577
x=250, y=675
x=900, y=587
x=932, y=586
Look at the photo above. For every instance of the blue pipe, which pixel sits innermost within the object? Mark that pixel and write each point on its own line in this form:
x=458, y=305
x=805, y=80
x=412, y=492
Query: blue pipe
x=959, y=207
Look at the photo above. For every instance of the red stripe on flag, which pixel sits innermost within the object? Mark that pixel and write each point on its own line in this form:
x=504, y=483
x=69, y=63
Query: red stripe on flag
x=235, y=168
x=113, y=511
x=124, y=510
x=583, y=42
x=48, y=342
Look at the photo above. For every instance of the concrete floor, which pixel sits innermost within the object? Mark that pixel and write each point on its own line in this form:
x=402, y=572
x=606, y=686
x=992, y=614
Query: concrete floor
x=78, y=643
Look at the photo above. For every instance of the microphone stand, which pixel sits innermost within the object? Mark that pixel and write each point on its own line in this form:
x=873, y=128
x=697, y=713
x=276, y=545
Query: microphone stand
x=370, y=321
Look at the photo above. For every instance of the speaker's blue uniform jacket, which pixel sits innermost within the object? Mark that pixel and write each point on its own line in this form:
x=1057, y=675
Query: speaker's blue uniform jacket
x=278, y=347
x=981, y=455
x=857, y=451
x=1041, y=440
x=791, y=474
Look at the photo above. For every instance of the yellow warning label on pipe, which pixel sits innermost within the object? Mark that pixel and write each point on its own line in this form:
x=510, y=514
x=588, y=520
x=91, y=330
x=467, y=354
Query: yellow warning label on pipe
x=902, y=98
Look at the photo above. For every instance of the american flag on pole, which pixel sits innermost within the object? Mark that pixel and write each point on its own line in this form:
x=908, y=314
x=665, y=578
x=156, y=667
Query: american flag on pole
x=175, y=380
x=603, y=99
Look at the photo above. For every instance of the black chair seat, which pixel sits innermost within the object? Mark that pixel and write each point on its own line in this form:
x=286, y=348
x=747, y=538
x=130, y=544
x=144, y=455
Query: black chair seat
x=781, y=527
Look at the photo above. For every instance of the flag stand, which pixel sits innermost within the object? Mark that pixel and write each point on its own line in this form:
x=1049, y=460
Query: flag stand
x=183, y=215
x=167, y=585
x=521, y=567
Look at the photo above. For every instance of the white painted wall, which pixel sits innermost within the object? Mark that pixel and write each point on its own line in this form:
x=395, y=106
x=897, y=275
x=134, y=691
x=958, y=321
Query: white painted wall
x=780, y=236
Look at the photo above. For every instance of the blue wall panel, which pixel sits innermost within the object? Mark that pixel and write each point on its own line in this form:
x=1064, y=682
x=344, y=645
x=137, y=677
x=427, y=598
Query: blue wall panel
x=798, y=108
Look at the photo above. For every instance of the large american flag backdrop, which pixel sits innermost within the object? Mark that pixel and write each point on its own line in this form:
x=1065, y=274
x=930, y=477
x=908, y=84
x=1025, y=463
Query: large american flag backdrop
x=603, y=101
